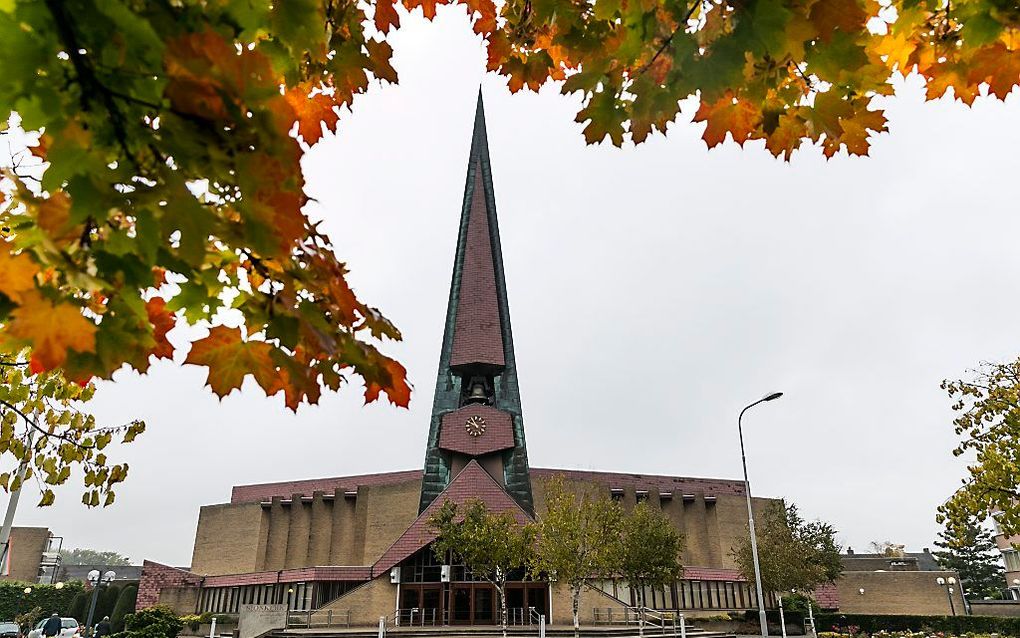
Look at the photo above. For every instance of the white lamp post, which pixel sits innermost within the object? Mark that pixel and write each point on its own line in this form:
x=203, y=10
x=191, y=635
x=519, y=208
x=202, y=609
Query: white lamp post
x=948, y=584
x=750, y=515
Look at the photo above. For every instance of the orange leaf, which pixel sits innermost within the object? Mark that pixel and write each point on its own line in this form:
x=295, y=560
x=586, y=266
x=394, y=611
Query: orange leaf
x=51, y=330
x=162, y=321
x=312, y=111
x=787, y=136
x=298, y=381
x=829, y=16
x=230, y=359
x=428, y=7
x=17, y=274
x=730, y=115
x=53, y=215
x=396, y=387
x=999, y=67
x=386, y=15
x=486, y=9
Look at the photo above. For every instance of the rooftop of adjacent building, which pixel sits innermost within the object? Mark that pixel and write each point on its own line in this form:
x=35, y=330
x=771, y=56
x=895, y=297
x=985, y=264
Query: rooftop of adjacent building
x=613, y=480
x=922, y=561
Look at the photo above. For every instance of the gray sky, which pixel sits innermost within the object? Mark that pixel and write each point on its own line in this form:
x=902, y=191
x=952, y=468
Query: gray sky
x=654, y=291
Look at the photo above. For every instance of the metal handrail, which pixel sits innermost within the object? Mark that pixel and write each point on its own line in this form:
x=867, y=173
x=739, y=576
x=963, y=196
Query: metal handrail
x=309, y=619
x=667, y=621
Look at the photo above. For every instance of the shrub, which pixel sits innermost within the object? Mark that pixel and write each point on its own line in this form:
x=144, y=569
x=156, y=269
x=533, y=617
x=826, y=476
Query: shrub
x=14, y=600
x=125, y=605
x=958, y=625
x=151, y=622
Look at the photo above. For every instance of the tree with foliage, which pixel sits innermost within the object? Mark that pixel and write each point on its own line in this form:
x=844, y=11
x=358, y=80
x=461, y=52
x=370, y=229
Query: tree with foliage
x=490, y=544
x=85, y=556
x=578, y=539
x=107, y=601
x=45, y=433
x=650, y=552
x=971, y=552
x=125, y=605
x=79, y=607
x=166, y=183
x=793, y=553
x=152, y=622
x=887, y=548
x=987, y=419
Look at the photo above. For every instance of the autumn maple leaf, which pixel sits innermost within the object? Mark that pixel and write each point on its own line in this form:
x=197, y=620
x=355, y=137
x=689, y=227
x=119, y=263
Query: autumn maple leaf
x=230, y=359
x=50, y=330
x=730, y=115
x=17, y=274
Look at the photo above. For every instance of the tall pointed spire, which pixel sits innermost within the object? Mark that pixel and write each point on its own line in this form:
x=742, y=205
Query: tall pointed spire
x=476, y=413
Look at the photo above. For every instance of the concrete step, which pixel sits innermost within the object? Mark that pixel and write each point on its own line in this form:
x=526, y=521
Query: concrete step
x=489, y=632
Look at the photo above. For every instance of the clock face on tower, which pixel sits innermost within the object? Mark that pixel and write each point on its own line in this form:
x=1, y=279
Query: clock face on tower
x=475, y=425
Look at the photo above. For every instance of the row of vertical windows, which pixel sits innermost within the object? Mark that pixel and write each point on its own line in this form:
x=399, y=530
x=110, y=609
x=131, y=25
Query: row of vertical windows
x=691, y=594
x=227, y=600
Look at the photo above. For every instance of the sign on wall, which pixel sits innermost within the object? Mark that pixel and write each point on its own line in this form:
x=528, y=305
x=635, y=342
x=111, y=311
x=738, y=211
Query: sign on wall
x=255, y=620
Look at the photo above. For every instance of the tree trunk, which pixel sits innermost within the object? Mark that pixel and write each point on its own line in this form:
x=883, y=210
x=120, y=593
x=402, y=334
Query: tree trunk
x=575, y=595
x=641, y=610
x=501, y=590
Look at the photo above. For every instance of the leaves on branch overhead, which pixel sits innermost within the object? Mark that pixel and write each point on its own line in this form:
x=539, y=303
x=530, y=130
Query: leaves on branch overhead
x=172, y=136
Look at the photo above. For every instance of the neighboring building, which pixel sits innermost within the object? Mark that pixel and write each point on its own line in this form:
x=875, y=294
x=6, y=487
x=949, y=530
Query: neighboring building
x=903, y=584
x=33, y=555
x=360, y=544
x=126, y=574
x=1011, y=558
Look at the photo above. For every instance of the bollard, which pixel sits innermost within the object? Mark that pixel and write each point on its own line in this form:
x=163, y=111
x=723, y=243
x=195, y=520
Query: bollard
x=541, y=626
x=382, y=626
x=212, y=629
x=683, y=626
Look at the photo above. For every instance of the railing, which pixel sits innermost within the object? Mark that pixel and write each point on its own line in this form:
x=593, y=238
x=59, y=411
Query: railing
x=415, y=617
x=521, y=616
x=669, y=623
x=314, y=618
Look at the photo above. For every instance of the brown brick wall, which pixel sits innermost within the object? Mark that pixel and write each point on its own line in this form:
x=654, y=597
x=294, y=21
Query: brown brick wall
x=896, y=593
x=156, y=577
x=227, y=540
x=27, y=546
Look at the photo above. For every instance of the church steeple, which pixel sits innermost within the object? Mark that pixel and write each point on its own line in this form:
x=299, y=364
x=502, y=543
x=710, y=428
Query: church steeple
x=476, y=413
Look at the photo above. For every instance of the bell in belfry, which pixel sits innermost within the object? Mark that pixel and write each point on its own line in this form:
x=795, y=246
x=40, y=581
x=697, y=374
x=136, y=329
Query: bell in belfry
x=477, y=393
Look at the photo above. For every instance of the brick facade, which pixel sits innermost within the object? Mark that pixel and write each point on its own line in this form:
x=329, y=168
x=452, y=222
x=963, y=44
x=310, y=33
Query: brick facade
x=498, y=433
x=157, y=577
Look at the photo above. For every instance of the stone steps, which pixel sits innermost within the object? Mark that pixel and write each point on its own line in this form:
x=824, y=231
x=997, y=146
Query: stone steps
x=490, y=632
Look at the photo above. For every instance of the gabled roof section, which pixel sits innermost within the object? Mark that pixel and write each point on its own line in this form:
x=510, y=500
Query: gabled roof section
x=472, y=483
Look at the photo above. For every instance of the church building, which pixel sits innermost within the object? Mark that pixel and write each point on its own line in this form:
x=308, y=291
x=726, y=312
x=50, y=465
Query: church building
x=352, y=549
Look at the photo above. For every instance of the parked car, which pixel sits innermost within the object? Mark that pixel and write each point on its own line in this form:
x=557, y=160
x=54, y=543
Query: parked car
x=69, y=628
x=9, y=630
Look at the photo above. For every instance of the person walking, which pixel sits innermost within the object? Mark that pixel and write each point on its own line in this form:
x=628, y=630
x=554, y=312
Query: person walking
x=103, y=628
x=52, y=626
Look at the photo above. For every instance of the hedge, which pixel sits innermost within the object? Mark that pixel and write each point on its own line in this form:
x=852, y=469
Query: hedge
x=14, y=600
x=870, y=623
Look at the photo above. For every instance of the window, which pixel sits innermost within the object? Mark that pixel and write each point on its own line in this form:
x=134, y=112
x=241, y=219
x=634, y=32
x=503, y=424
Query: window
x=1012, y=560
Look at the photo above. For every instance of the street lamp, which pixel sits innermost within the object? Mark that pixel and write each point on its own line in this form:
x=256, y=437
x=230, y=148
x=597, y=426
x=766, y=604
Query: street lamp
x=750, y=514
x=948, y=584
x=97, y=581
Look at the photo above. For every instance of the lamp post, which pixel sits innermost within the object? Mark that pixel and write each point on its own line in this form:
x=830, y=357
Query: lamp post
x=750, y=514
x=97, y=582
x=948, y=584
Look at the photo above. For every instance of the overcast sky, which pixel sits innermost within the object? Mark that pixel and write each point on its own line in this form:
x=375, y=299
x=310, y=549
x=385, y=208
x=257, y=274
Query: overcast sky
x=654, y=291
